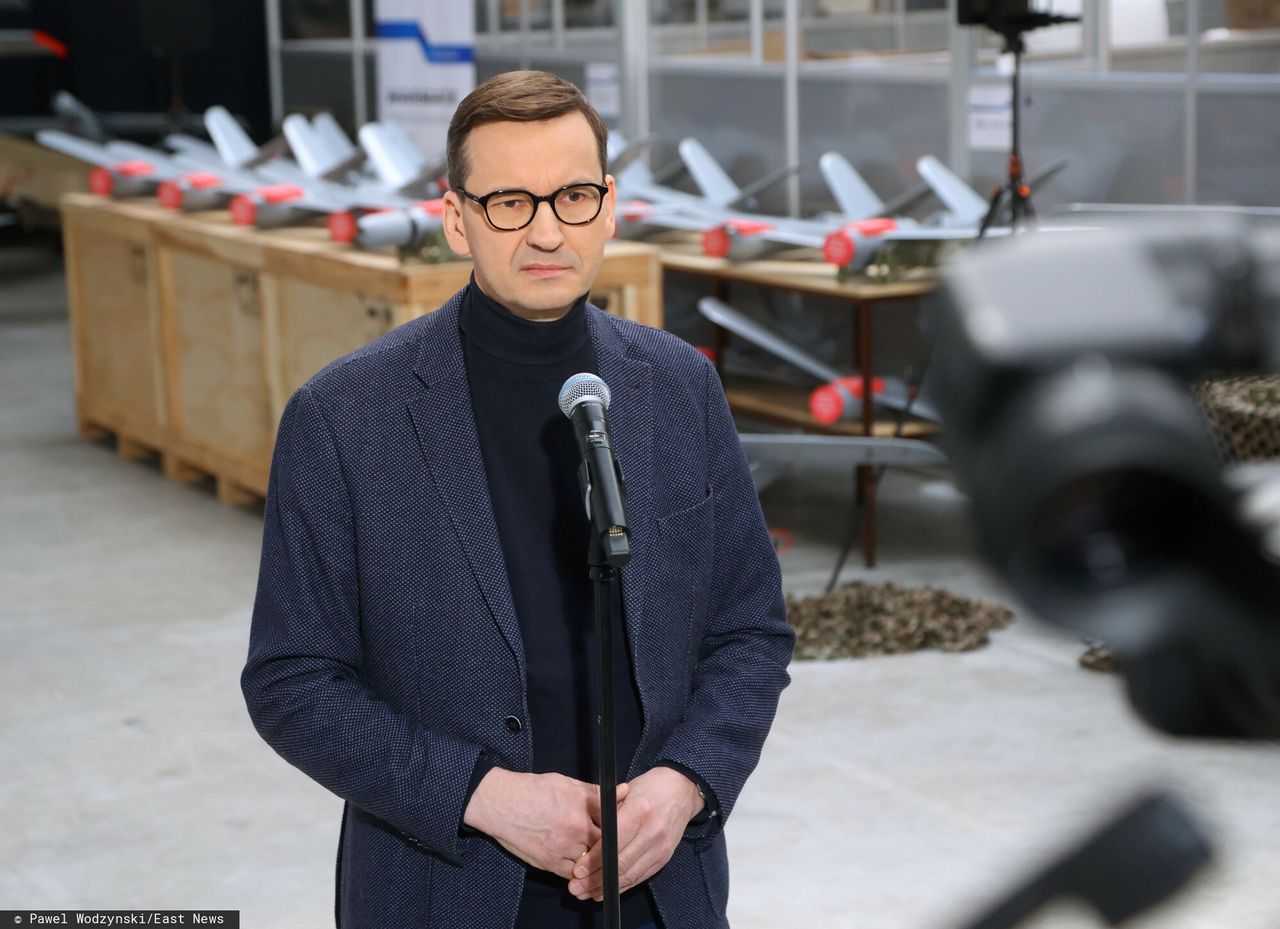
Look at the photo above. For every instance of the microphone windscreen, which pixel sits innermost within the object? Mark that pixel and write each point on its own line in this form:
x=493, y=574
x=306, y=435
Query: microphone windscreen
x=580, y=387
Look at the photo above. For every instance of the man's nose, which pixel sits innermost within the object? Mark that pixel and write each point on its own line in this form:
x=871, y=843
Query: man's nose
x=544, y=231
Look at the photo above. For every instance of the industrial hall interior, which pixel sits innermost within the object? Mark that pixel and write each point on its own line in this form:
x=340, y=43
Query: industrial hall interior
x=640, y=464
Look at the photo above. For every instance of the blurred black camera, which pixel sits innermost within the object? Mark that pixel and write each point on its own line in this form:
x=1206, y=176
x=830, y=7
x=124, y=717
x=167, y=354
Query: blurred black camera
x=1009, y=18
x=1062, y=373
x=991, y=12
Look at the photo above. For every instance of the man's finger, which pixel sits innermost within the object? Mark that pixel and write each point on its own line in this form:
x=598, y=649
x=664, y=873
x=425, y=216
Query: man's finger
x=637, y=861
x=587, y=877
x=593, y=862
x=593, y=801
x=640, y=872
x=649, y=864
x=634, y=855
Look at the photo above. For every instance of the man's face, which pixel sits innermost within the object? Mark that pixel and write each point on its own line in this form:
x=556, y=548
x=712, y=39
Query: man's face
x=538, y=271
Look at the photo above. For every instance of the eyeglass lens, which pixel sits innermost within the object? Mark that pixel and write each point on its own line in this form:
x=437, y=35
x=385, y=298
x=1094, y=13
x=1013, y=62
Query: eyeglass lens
x=572, y=205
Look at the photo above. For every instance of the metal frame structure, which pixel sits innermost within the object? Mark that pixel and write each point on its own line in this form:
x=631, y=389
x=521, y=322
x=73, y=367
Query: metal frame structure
x=637, y=43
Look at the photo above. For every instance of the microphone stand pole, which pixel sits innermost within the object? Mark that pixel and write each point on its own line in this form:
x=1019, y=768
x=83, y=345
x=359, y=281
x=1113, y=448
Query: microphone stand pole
x=604, y=575
x=609, y=550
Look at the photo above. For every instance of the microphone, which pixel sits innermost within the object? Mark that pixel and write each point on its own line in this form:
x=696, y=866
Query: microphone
x=584, y=398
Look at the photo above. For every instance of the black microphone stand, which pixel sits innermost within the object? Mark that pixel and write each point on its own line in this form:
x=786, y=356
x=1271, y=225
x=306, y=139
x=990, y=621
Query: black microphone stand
x=604, y=575
x=608, y=551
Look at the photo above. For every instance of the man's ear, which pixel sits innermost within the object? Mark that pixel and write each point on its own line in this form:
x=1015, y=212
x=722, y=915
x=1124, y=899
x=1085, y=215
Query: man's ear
x=611, y=205
x=455, y=230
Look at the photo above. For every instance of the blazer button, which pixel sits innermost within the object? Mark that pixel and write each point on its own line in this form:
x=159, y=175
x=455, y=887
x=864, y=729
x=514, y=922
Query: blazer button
x=513, y=723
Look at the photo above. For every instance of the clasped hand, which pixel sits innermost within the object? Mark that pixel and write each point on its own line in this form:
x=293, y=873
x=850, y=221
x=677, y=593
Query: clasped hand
x=552, y=822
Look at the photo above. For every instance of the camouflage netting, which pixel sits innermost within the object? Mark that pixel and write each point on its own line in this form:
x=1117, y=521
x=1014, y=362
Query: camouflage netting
x=1244, y=414
x=858, y=620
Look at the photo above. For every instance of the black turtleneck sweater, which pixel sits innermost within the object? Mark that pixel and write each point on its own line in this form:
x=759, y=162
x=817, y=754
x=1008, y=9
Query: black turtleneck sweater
x=515, y=368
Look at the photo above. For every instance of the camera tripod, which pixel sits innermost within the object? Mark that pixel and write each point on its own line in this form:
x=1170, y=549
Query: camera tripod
x=1016, y=188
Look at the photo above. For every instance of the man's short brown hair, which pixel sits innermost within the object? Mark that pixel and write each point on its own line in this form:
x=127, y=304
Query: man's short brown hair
x=520, y=97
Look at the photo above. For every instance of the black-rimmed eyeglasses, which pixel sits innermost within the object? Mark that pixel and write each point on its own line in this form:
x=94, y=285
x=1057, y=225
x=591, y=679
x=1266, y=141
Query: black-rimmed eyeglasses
x=509, y=210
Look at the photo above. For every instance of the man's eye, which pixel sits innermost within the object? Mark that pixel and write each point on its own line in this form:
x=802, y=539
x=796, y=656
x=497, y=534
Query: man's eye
x=573, y=196
x=510, y=204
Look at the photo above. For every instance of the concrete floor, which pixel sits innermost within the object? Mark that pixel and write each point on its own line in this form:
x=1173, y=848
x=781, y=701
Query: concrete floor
x=894, y=792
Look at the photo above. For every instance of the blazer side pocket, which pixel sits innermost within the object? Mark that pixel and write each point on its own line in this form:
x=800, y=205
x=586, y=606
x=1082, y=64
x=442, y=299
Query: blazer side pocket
x=680, y=583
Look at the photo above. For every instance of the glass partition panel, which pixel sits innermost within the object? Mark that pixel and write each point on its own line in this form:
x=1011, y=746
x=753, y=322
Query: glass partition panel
x=315, y=81
x=1147, y=36
x=1238, y=134
x=315, y=19
x=889, y=31
x=1120, y=145
x=511, y=12
x=719, y=28
x=735, y=116
x=588, y=14
x=881, y=127
x=1240, y=37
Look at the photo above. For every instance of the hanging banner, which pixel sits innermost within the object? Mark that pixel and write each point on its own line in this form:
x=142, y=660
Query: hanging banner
x=426, y=65
x=990, y=117
x=604, y=88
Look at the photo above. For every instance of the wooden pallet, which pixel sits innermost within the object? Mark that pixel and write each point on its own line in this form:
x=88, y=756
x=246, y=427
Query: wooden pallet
x=229, y=488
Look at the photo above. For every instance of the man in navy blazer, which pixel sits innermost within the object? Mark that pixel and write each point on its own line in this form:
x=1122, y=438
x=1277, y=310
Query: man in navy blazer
x=420, y=624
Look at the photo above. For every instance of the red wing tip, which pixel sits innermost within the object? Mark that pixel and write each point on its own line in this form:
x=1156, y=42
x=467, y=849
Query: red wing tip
x=202, y=179
x=749, y=226
x=281, y=193
x=135, y=168
x=877, y=225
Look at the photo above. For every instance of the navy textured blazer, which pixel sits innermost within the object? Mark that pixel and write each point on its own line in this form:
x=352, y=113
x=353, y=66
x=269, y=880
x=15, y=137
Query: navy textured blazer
x=385, y=652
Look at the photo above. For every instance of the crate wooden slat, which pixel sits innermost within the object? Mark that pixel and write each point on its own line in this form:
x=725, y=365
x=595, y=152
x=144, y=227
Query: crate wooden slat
x=220, y=415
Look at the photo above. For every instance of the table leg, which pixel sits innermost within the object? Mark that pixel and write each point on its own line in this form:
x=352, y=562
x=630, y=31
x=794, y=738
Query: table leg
x=866, y=478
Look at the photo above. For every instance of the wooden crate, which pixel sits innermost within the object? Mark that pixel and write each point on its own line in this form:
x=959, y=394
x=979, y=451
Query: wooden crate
x=1252, y=14
x=115, y=324
x=243, y=317
x=33, y=177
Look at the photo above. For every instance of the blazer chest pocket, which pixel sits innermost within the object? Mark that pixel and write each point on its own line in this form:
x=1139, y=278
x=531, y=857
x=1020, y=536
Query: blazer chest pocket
x=680, y=583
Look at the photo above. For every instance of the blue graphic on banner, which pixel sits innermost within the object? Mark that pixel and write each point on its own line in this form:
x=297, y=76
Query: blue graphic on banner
x=435, y=54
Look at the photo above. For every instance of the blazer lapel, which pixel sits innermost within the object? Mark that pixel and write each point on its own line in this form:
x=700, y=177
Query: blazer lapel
x=631, y=430
x=446, y=427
